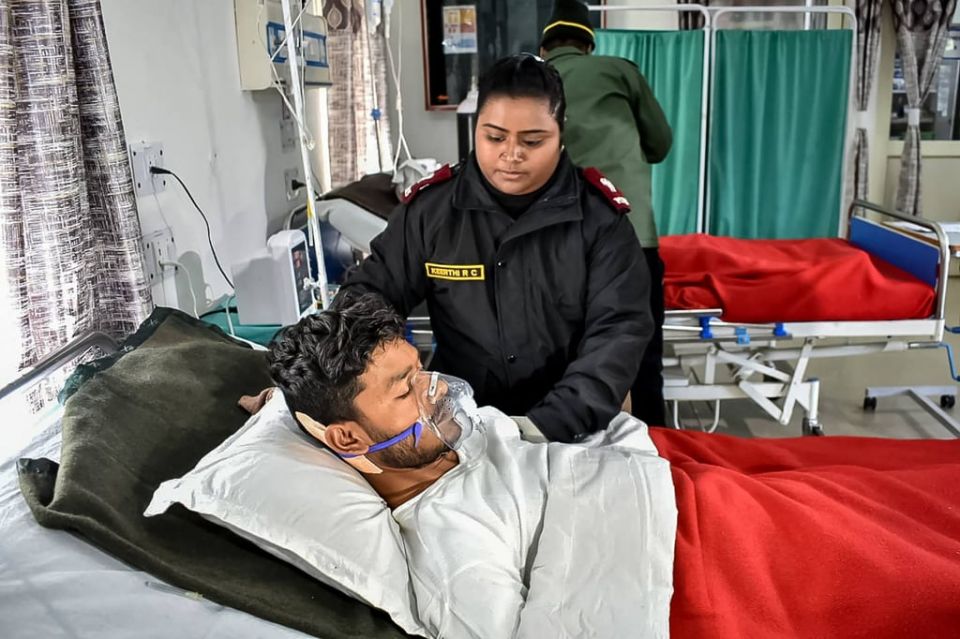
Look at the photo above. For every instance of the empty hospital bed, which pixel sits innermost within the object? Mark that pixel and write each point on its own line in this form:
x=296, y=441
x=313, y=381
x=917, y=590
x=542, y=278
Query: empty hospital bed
x=895, y=304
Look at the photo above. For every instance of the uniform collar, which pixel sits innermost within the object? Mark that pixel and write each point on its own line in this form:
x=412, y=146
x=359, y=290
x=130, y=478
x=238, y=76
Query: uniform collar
x=560, y=203
x=561, y=52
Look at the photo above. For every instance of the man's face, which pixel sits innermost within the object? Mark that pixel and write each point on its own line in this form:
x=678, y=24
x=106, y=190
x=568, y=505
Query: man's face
x=387, y=406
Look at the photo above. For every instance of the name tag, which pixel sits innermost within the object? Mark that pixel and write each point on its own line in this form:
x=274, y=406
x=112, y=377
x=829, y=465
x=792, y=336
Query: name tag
x=456, y=272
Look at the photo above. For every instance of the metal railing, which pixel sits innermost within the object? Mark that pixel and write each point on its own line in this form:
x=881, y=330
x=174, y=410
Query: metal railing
x=58, y=358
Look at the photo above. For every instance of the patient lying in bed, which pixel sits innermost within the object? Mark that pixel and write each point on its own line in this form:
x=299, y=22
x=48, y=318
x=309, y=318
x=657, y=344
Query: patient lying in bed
x=816, y=537
x=486, y=526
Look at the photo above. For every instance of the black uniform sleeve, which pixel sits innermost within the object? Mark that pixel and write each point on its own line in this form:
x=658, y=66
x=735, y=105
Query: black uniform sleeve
x=395, y=267
x=618, y=327
x=656, y=137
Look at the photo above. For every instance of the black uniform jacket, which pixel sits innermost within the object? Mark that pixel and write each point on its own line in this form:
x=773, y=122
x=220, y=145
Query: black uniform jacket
x=546, y=316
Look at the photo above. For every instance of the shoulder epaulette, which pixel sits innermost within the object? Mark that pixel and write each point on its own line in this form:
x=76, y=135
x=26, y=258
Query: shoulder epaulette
x=608, y=189
x=439, y=176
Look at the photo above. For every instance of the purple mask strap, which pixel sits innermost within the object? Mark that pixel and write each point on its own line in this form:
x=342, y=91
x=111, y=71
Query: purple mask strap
x=416, y=430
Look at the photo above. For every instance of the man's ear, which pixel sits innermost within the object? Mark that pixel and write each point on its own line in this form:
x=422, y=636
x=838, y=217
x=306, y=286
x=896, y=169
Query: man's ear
x=344, y=439
x=347, y=438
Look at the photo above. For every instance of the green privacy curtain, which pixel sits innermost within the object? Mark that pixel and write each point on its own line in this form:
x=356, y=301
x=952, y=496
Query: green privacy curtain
x=672, y=62
x=776, y=133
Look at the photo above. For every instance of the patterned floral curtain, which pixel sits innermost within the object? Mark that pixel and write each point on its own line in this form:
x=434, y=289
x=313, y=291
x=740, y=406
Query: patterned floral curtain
x=70, y=257
x=868, y=42
x=922, y=27
x=358, y=65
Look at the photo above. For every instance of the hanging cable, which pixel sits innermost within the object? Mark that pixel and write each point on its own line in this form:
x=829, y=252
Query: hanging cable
x=396, y=72
x=155, y=170
x=193, y=291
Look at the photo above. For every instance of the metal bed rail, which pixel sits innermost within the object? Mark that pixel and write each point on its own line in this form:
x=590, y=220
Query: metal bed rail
x=53, y=361
x=942, y=243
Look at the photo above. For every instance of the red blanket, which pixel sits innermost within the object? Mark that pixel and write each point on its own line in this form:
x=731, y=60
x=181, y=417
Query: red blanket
x=816, y=537
x=788, y=280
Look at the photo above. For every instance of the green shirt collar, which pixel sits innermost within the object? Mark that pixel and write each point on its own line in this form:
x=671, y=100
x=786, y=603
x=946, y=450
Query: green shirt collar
x=563, y=51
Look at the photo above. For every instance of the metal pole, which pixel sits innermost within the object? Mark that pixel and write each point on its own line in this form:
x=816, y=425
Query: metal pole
x=705, y=101
x=313, y=223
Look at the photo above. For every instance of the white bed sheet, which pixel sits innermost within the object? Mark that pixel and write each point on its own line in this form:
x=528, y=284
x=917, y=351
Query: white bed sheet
x=52, y=584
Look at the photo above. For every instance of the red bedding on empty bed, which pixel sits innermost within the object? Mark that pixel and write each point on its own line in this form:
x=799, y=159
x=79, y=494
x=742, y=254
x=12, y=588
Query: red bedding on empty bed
x=788, y=280
x=815, y=537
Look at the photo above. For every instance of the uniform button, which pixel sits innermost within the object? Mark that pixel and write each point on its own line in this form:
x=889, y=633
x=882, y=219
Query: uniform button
x=501, y=264
x=511, y=358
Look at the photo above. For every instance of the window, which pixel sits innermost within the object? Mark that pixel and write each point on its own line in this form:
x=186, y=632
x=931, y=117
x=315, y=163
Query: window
x=940, y=112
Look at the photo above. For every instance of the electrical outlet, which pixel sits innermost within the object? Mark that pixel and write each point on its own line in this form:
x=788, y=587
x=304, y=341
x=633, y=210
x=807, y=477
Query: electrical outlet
x=289, y=176
x=158, y=247
x=144, y=155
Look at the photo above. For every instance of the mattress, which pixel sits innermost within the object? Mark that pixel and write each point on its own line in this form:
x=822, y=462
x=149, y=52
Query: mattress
x=765, y=281
x=53, y=584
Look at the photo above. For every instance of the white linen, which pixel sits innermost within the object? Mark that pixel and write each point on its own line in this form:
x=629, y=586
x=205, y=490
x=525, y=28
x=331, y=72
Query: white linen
x=537, y=540
x=53, y=584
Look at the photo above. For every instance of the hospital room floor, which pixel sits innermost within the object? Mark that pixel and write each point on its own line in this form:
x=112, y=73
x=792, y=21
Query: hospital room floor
x=842, y=385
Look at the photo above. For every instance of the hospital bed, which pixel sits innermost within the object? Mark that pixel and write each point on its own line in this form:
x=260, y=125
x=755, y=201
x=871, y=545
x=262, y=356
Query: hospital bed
x=766, y=362
x=359, y=210
x=54, y=584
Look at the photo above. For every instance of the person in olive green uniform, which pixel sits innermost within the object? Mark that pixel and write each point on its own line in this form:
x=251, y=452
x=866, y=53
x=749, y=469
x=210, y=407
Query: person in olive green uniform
x=615, y=124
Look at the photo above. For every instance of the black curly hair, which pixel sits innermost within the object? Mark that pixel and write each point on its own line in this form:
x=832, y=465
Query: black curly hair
x=317, y=362
x=524, y=76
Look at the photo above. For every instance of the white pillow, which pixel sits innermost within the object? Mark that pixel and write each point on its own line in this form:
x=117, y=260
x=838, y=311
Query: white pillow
x=272, y=485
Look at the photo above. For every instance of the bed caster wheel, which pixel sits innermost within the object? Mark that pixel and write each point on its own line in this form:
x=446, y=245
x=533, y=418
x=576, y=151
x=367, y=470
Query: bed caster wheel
x=948, y=401
x=869, y=403
x=812, y=428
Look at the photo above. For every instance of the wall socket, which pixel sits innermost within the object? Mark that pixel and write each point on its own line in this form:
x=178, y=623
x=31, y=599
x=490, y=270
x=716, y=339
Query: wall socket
x=158, y=247
x=144, y=155
x=289, y=176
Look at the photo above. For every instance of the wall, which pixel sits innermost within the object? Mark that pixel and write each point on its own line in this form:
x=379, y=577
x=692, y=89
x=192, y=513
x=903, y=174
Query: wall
x=429, y=134
x=643, y=20
x=175, y=66
x=938, y=183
